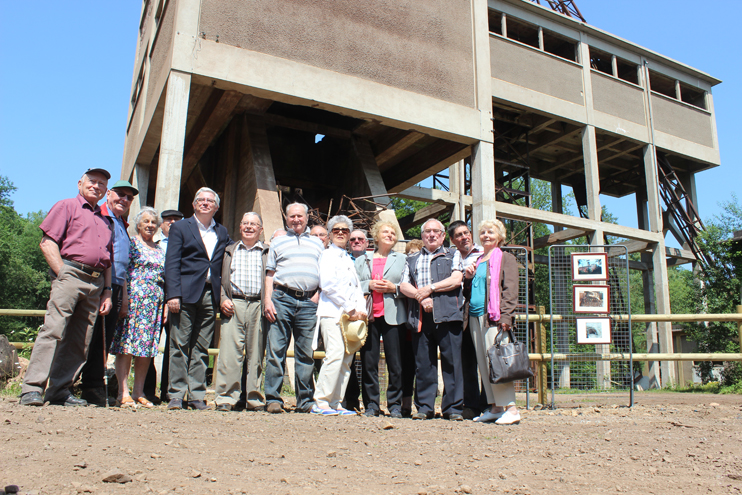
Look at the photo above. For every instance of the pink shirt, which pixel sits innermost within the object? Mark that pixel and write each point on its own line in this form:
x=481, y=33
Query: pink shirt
x=80, y=231
x=378, y=274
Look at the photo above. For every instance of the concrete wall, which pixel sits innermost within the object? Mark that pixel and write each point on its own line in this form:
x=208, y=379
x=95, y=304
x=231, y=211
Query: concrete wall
x=683, y=121
x=618, y=98
x=162, y=47
x=424, y=47
x=536, y=70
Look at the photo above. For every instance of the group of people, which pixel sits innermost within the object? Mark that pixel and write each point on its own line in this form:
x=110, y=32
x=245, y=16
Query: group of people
x=115, y=292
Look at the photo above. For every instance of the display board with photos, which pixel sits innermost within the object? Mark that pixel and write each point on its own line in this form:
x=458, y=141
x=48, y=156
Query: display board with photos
x=588, y=289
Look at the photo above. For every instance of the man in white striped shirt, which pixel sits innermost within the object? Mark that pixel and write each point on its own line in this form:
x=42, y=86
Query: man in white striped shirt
x=242, y=334
x=290, y=305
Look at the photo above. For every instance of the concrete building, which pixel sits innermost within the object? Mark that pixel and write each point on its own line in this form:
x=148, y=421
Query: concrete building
x=234, y=94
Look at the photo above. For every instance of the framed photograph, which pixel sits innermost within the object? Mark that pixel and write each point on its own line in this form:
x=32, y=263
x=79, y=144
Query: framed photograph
x=589, y=266
x=593, y=330
x=591, y=298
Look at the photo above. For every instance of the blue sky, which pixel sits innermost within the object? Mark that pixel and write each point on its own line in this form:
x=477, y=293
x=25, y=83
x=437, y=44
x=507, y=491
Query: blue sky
x=68, y=68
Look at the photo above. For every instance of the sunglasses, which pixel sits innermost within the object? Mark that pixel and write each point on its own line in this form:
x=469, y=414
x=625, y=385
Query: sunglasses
x=129, y=197
x=357, y=239
x=339, y=230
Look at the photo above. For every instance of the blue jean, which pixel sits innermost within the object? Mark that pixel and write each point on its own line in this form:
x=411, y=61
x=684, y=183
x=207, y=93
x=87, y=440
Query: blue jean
x=297, y=317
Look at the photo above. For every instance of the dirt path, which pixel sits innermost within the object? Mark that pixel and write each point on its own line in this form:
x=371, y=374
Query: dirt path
x=668, y=443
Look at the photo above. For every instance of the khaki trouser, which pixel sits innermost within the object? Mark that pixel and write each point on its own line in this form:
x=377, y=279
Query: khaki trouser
x=242, y=337
x=500, y=394
x=335, y=373
x=62, y=344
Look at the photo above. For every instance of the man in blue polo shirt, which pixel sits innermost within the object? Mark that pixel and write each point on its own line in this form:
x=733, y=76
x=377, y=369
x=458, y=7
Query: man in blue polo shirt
x=290, y=304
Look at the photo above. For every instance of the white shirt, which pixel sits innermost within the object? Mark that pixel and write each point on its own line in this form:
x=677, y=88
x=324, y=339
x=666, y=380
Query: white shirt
x=209, y=238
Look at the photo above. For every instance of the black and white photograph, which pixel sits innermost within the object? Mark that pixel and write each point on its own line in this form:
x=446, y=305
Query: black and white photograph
x=589, y=267
x=593, y=330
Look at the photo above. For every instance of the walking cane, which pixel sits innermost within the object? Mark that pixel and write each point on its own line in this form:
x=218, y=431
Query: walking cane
x=105, y=362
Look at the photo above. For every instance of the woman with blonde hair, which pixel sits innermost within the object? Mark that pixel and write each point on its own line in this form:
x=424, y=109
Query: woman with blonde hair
x=380, y=274
x=494, y=297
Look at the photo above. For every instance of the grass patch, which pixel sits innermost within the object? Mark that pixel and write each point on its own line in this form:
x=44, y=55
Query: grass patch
x=10, y=390
x=707, y=388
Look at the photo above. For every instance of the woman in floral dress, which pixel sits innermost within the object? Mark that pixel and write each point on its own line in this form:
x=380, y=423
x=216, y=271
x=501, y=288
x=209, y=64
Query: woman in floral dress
x=139, y=332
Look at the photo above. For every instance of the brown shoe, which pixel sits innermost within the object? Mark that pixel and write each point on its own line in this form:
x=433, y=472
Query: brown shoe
x=274, y=408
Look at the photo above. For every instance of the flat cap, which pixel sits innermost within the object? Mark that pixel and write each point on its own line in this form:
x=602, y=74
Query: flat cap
x=171, y=213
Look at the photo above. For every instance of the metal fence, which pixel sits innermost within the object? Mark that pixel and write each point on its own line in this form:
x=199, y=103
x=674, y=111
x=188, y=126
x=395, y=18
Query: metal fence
x=522, y=330
x=588, y=285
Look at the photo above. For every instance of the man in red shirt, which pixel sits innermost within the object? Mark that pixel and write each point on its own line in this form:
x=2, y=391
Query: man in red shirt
x=77, y=246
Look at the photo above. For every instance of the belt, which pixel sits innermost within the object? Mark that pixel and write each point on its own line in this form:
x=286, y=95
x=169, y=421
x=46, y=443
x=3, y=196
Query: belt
x=246, y=298
x=296, y=293
x=93, y=272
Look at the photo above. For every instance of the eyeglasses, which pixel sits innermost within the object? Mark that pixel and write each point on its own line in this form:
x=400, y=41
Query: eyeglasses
x=250, y=224
x=206, y=200
x=338, y=230
x=433, y=231
x=357, y=239
x=128, y=197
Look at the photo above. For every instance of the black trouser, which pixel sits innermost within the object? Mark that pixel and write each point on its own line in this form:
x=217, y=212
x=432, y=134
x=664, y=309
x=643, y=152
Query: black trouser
x=91, y=374
x=408, y=362
x=150, y=383
x=426, y=343
x=353, y=390
x=392, y=335
x=469, y=369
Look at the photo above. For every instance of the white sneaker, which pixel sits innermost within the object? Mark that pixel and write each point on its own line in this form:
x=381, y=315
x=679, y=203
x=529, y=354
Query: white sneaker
x=488, y=416
x=508, y=418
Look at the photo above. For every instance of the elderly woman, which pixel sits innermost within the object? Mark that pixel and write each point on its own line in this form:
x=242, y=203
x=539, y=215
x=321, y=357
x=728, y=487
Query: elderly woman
x=138, y=334
x=380, y=274
x=494, y=296
x=340, y=293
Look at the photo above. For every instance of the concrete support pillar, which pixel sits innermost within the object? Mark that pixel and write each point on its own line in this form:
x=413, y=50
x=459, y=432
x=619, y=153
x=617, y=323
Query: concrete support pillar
x=140, y=180
x=368, y=177
x=482, y=182
x=659, y=267
x=256, y=182
x=453, y=188
x=651, y=369
x=172, y=141
x=557, y=202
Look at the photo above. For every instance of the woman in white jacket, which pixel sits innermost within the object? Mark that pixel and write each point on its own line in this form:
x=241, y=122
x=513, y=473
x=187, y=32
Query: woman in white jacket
x=340, y=293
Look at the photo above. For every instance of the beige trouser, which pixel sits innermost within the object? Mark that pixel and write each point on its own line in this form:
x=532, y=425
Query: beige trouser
x=335, y=373
x=242, y=337
x=62, y=344
x=502, y=394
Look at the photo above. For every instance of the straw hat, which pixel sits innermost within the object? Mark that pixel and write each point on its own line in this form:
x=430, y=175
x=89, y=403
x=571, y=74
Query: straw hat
x=354, y=333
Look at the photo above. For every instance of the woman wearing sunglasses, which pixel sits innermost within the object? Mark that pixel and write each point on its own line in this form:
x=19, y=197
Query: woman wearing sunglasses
x=340, y=294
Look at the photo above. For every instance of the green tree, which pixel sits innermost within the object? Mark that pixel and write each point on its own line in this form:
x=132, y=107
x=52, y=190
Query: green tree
x=721, y=287
x=24, y=283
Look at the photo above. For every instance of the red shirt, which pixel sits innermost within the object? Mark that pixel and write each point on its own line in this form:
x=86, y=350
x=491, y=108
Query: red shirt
x=378, y=274
x=80, y=231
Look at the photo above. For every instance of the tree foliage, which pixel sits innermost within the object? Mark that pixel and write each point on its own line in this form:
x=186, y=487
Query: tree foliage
x=721, y=289
x=24, y=283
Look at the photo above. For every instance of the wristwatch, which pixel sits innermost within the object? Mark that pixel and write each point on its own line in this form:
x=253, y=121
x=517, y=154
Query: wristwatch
x=432, y=287
x=107, y=288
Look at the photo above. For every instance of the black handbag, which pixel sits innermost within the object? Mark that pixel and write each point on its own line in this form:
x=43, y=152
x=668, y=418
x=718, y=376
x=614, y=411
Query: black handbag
x=508, y=362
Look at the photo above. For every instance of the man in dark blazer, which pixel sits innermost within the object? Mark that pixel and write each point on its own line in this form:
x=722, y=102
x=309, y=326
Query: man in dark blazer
x=193, y=272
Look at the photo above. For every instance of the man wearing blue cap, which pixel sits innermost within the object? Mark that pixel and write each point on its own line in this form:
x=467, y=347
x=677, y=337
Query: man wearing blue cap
x=115, y=210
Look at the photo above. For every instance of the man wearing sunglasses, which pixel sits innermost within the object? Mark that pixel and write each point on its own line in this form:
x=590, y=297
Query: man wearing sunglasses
x=115, y=210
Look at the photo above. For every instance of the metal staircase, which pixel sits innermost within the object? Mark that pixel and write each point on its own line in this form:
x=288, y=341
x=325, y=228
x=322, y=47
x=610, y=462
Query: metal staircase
x=681, y=208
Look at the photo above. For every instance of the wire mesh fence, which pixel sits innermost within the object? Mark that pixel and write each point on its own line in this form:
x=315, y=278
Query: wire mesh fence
x=587, y=285
x=522, y=329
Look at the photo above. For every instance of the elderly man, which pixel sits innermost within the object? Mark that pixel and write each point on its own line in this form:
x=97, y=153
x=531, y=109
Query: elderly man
x=320, y=232
x=115, y=210
x=433, y=278
x=460, y=236
x=193, y=273
x=242, y=334
x=358, y=243
x=169, y=217
x=77, y=246
x=290, y=305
